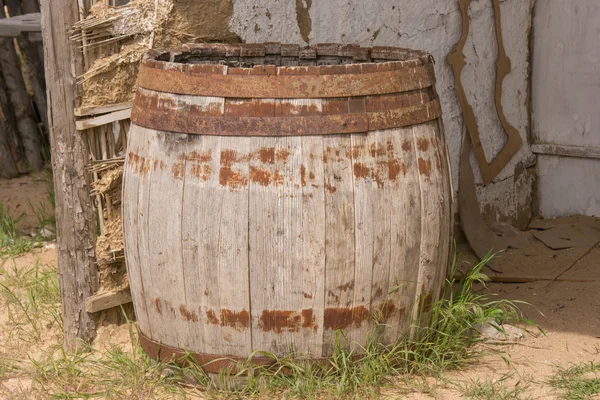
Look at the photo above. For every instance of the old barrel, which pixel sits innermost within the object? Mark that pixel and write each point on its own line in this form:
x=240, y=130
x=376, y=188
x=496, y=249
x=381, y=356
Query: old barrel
x=275, y=194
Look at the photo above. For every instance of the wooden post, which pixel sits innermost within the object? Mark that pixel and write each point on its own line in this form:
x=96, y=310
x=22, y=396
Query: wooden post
x=33, y=57
x=76, y=227
x=12, y=160
x=28, y=131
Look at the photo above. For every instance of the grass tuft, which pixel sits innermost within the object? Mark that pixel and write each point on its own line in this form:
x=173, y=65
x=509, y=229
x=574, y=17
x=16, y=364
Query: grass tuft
x=11, y=244
x=494, y=389
x=442, y=338
x=578, y=382
x=32, y=298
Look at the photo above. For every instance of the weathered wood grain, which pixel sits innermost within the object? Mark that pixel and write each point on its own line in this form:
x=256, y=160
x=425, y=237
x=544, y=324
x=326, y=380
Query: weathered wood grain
x=339, y=240
x=405, y=235
x=433, y=249
x=277, y=243
x=130, y=212
x=233, y=239
x=76, y=228
x=104, y=301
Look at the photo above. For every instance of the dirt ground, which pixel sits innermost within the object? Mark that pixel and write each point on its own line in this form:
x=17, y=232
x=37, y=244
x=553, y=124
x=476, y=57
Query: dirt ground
x=567, y=312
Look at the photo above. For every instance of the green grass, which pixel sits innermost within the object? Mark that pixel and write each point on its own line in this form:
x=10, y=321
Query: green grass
x=578, y=382
x=11, y=244
x=32, y=298
x=495, y=389
x=445, y=340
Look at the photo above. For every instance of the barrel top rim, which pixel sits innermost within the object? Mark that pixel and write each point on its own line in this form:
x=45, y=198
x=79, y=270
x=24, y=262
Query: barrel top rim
x=245, y=58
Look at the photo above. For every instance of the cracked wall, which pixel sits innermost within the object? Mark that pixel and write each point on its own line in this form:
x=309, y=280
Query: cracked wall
x=433, y=26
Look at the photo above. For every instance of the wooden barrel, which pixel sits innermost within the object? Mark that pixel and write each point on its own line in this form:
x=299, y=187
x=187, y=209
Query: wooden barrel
x=274, y=195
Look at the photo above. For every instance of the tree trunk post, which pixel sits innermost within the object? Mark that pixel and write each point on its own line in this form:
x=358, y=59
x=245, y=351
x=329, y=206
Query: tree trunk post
x=35, y=64
x=13, y=161
x=76, y=226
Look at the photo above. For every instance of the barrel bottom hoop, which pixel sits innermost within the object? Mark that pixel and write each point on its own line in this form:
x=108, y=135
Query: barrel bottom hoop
x=210, y=363
x=182, y=122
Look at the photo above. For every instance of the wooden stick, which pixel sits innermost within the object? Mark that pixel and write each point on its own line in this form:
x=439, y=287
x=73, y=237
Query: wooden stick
x=104, y=301
x=103, y=119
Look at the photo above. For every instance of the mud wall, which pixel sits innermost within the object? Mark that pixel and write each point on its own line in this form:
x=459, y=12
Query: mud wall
x=434, y=26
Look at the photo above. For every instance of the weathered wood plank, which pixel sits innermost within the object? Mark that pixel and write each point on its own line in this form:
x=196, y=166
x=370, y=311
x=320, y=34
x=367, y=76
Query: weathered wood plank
x=93, y=122
x=76, y=230
x=165, y=215
x=104, y=301
x=203, y=204
x=233, y=240
x=429, y=165
x=563, y=150
x=405, y=235
x=339, y=240
x=98, y=110
x=366, y=193
x=312, y=244
x=134, y=223
x=272, y=319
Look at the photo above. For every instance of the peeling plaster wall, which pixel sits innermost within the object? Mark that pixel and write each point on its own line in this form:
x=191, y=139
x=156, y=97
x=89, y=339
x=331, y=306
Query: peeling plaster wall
x=434, y=26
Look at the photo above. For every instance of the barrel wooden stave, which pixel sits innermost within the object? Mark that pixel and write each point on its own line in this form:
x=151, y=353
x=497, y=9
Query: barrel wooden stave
x=239, y=243
x=265, y=231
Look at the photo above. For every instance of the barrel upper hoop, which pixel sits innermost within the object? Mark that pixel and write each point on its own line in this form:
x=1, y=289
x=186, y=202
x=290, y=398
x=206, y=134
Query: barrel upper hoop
x=184, y=79
x=181, y=121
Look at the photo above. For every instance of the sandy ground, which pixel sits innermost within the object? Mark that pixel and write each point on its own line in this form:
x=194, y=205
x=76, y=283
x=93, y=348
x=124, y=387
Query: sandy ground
x=568, y=313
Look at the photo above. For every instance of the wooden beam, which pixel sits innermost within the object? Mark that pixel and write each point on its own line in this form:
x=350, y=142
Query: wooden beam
x=104, y=301
x=16, y=26
x=93, y=122
x=76, y=226
x=98, y=110
x=566, y=151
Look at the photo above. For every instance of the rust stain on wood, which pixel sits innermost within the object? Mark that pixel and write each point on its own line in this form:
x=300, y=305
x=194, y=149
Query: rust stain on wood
x=342, y=318
x=212, y=317
x=266, y=155
x=283, y=155
x=423, y=144
x=228, y=158
x=361, y=171
x=330, y=188
x=308, y=319
x=187, y=314
x=406, y=145
x=307, y=295
x=438, y=160
x=425, y=168
x=280, y=321
x=346, y=286
x=201, y=171
x=233, y=319
x=394, y=169
x=277, y=178
x=178, y=170
x=231, y=178
x=260, y=176
x=157, y=306
x=303, y=175
x=202, y=157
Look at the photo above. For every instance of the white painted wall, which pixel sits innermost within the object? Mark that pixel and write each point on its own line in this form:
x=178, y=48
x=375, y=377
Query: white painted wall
x=566, y=97
x=433, y=26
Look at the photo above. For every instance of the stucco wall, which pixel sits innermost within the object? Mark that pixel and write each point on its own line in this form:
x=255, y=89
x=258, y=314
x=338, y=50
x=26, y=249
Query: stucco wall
x=434, y=26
